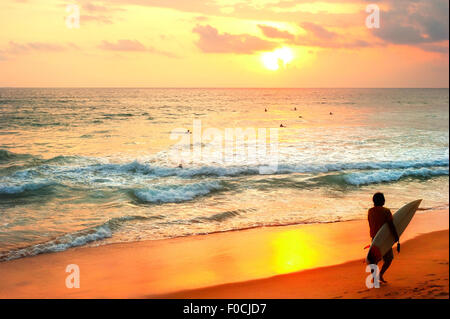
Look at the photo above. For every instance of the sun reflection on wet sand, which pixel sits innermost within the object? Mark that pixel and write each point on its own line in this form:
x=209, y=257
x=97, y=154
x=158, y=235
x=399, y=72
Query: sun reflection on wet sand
x=292, y=251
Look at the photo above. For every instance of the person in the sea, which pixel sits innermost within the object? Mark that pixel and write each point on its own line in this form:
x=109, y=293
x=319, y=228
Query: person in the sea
x=378, y=216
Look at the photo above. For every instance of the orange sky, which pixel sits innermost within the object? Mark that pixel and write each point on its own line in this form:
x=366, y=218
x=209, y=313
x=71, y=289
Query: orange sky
x=224, y=43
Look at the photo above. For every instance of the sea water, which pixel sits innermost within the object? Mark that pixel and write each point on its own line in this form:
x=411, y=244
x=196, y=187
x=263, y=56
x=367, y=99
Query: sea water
x=97, y=166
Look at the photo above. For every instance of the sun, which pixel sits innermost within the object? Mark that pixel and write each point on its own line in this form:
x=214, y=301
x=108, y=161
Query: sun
x=280, y=57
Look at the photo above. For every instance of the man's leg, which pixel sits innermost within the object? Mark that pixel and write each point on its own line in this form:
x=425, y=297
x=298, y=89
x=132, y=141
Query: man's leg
x=371, y=259
x=387, y=260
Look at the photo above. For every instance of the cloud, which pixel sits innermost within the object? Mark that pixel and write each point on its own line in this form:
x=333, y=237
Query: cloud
x=211, y=41
x=95, y=18
x=414, y=22
x=321, y=43
x=316, y=36
x=257, y=10
x=125, y=45
x=14, y=48
x=318, y=31
x=199, y=6
x=201, y=18
x=17, y=48
x=92, y=7
x=272, y=32
x=431, y=47
x=97, y=12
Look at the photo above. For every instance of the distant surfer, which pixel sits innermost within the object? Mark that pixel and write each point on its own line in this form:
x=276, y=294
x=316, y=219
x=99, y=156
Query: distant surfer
x=378, y=216
x=265, y=110
x=281, y=125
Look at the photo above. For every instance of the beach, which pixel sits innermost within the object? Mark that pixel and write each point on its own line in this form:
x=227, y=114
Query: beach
x=170, y=193
x=297, y=261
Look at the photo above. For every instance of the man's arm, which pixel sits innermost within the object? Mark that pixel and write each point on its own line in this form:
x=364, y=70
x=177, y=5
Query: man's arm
x=393, y=230
x=390, y=222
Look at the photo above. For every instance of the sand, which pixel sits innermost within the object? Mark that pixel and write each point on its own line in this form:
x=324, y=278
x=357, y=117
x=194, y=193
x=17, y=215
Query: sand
x=410, y=276
x=299, y=261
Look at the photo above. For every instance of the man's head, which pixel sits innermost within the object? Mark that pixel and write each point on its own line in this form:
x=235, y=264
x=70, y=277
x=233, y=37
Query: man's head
x=378, y=199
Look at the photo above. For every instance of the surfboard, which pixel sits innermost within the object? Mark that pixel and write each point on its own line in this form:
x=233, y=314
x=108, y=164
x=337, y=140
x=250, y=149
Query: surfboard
x=384, y=239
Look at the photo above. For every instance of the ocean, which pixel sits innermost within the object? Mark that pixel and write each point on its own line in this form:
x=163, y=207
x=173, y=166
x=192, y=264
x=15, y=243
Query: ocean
x=83, y=167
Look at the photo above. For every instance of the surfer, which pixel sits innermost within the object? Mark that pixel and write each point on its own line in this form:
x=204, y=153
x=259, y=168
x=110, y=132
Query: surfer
x=378, y=216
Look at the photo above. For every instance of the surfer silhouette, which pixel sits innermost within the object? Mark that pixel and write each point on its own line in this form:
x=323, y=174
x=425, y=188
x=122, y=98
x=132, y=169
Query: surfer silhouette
x=378, y=216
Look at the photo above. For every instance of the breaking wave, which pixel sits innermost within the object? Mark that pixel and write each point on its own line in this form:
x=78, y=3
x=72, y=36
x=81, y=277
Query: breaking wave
x=176, y=193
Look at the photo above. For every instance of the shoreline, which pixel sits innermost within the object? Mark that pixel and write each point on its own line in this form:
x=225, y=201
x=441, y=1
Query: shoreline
x=88, y=245
x=170, y=266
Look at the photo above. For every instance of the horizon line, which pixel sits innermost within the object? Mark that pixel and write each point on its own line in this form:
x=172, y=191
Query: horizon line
x=203, y=87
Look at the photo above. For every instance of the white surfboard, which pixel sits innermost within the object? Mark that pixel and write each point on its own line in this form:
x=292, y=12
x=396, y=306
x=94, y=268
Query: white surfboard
x=384, y=239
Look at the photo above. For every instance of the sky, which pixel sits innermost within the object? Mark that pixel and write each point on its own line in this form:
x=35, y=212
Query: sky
x=224, y=43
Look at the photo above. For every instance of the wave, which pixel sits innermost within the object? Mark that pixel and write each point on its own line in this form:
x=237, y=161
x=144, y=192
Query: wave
x=194, y=171
x=176, y=193
x=220, y=217
x=8, y=156
x=32, y=188
x=60, y=244
x=347, y=179
x=79, y=238
x=68, y=159
x=383, y=176
x=82, y=165
x=87, y=174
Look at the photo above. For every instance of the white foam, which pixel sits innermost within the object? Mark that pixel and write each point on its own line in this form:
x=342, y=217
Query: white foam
x=61, y=243
x=380, y=176
x=176, y=193
x=9, y=189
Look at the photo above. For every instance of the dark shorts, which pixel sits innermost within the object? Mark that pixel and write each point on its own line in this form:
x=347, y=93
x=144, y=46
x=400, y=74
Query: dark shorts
x=388, y=257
